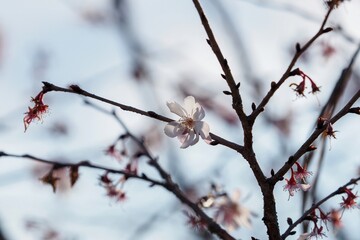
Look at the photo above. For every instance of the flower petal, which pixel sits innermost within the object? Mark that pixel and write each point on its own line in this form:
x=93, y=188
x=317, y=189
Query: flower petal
x=243, y=218
x=189, y=104
x=173, y=129
x=188, y=139
x=177, y=109
x=203, y=129
x=198, y=112
x=304, y=236
x=304, y=187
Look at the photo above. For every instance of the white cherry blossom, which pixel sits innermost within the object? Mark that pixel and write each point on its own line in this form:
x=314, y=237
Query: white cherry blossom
x=189, y=127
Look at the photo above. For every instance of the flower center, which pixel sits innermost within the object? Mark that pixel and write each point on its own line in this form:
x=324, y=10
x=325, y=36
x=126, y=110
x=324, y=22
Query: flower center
x=188, y=122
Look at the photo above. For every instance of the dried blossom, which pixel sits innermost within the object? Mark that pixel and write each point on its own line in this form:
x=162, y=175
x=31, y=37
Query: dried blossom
x=50, y=179
x=37, y=111
x=74, y=174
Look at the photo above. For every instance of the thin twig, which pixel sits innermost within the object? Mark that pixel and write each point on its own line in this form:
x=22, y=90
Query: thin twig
x=299, y=51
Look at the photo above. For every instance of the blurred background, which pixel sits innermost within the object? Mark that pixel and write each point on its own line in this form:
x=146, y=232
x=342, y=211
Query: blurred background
x=144, y=53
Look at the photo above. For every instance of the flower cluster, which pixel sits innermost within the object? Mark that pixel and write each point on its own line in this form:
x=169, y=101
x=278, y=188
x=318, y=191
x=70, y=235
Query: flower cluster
x=37, y=111
x=189, y=127
x=297, y=180
x=321, y=219
x=300, y=88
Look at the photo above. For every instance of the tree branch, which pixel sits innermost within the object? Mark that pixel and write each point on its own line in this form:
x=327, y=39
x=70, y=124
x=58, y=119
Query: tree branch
x=340, y=190
x=74, y=89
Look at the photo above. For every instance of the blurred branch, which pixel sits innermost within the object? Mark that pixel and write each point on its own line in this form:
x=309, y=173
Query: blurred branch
x=168, y=183
x=2, y=236
x=340, y=190
x=85, y=164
